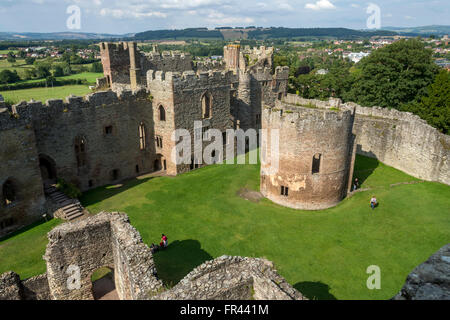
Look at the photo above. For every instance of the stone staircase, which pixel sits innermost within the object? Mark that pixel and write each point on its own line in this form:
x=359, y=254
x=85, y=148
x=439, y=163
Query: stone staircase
x=71, y=209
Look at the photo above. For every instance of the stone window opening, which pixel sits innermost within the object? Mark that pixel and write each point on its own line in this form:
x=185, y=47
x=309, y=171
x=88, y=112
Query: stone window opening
x=108, y=129
x=316, y=163
x=142, y=137
x=205, y=131
x=159, y=142
x=224, y=138
x=9, y=193
x=162, y=113
x=115, y=174
x=137, y=168
x=80, y=151
x=206, y=105
x=284, y=191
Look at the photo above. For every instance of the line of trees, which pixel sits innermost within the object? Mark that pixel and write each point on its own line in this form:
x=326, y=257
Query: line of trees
x=402, y=75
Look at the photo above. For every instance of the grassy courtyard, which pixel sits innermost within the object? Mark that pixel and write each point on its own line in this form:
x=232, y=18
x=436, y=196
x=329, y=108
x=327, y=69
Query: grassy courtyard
x=43, y=94
x=324, y=254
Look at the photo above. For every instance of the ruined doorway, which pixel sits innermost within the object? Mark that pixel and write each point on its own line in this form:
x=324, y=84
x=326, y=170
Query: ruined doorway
x=48, y=169
x=159, y=163
x=103, y=284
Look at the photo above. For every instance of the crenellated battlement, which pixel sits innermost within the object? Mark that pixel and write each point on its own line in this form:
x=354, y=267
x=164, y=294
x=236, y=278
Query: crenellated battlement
x=189, y=79
x=300, y=112
x=24, y=112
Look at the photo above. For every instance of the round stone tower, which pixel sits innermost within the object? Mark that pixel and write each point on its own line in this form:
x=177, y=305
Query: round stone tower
x=316, y=155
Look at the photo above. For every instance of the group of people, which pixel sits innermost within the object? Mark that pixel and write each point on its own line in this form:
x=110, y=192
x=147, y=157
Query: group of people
x=163, y=244
x=373, y=201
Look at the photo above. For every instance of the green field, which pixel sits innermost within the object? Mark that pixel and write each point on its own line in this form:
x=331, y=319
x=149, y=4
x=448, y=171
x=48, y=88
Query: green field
x=324, y=254
x=43, y=94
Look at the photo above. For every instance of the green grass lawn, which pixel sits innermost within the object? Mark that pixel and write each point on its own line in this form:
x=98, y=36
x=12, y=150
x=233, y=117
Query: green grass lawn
x=324, y=254
x=43, y=94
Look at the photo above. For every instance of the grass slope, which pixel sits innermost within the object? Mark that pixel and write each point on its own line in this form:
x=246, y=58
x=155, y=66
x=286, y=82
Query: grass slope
x=43, y=94
x=324, y=254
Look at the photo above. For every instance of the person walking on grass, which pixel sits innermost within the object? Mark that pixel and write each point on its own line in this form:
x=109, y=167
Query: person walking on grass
x=373, y=202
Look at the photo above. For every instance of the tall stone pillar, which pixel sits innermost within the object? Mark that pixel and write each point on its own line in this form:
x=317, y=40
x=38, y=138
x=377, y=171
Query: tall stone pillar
x=135, y=72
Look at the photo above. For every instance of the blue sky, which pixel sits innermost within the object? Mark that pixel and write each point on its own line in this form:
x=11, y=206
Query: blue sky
x=129, y=16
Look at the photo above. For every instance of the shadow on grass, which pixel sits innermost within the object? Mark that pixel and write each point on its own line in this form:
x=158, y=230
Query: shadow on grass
x=178, y=259
x=102, y=193
x=315, y=290
x=364, y=167
x=24, y=229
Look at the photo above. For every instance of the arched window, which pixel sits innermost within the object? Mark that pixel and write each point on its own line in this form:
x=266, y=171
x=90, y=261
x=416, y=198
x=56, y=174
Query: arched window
x=80, y=151
x=162, y=113
x=142, y=141
x=9, y=192
x=206, y=105
x=316, y=163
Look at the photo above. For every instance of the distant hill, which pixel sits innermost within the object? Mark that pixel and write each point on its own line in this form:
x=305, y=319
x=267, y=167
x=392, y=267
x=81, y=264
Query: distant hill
x=59, y=36
x=229, y=33
x=260, y=33
x=425, y=30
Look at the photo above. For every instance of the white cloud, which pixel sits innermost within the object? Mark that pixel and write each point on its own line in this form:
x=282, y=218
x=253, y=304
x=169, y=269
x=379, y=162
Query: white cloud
x=319, y=5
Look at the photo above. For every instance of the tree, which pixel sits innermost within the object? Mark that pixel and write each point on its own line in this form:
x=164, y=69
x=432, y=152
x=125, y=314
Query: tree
x=11, y=57
x=434, y=106
x=393, y=75
x=8, y=76
x=58, y=71
x=97, y=67
x=29, y=60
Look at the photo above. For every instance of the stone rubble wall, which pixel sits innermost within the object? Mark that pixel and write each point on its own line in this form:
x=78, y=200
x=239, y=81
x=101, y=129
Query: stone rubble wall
x=12, y=288
x=399, y=139
x=103, y=240
x=430, y=280
x=232, y=278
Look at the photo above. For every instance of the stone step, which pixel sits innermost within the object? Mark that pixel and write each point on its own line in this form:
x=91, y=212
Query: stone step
x=65, y=202
x=80, y=214
x=70, y=207
x=72, y=211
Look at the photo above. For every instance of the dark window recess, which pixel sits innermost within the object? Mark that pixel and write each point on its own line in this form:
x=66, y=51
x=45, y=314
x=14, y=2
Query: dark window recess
x=316, y=163
x=137, y=168
x=9, y=193
x=224, y=137
x=91, y=183
x=162, y=113
x=284, y=191
x=115, y=174
x=108, y=130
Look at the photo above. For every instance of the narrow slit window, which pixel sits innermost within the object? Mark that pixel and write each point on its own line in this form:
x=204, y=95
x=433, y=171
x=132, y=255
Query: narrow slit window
x=316, y=163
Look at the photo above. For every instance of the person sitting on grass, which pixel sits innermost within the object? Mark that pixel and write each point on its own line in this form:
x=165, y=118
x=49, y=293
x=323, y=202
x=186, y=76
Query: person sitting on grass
x=164, y=242
x=373, y=202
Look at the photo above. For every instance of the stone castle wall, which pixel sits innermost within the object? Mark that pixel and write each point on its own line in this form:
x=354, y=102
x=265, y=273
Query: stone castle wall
x=109, y=125
x=399, y=139
x=19, y=167
x=306, y=134
x=232, y=278
x=104, y=240
x=12, y=288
